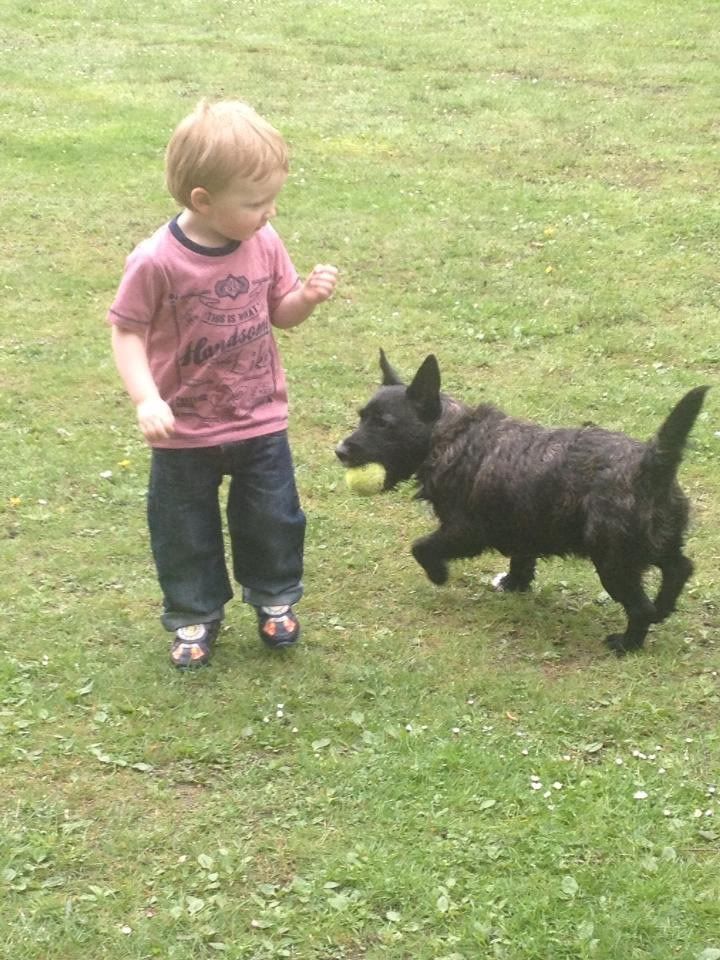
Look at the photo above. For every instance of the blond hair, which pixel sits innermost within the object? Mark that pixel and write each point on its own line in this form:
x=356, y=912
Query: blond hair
x=218, y=142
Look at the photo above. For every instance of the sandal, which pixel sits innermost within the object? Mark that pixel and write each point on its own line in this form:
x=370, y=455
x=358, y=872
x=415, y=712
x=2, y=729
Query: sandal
x=192, y=646
x=278, y=626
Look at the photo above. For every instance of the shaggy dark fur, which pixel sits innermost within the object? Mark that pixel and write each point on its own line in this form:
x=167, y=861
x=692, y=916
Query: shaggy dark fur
x=530, y=491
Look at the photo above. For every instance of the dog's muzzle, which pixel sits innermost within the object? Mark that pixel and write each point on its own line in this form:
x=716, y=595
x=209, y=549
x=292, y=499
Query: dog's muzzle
x=342, y=453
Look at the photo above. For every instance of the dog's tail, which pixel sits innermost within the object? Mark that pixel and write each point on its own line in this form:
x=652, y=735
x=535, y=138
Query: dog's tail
x=665, y=450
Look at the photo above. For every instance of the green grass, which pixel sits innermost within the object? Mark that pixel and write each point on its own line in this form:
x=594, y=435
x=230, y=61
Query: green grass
x=526, y=189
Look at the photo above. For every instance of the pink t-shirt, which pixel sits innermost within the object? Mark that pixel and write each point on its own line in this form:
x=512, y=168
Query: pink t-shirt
x=206, y=314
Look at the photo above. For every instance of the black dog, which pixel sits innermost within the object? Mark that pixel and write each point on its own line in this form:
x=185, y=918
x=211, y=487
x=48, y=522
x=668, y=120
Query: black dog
x=530, y=491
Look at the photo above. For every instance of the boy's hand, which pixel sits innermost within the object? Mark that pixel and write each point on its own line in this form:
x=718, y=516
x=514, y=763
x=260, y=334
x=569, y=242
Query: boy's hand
x=155, y=419
x=321, y=283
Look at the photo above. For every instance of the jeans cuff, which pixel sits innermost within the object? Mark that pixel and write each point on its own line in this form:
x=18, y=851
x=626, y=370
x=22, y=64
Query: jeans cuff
x=173, y=619
x=257, y=598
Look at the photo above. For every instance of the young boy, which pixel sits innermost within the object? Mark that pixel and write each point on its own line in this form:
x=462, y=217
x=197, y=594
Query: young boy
x=193, y=343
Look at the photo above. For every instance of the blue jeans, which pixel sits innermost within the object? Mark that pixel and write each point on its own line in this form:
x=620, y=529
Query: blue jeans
x=266, y=527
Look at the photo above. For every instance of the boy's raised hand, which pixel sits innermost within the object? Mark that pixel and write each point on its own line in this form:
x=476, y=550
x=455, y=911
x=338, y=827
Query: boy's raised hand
x=155, y=419
x=321, y=283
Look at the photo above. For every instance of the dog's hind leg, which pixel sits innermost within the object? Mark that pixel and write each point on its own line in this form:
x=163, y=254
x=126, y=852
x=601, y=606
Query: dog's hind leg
x=518, y=578
x=675, y=571
x=446, y=543
x=625, y=587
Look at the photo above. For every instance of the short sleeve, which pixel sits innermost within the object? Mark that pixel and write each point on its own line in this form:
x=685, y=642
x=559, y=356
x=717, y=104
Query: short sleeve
x=284, y=275
x=140, y=293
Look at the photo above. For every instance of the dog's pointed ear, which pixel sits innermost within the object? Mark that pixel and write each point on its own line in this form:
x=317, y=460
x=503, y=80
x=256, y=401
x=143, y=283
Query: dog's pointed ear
x=390, y=377
x=424, y=391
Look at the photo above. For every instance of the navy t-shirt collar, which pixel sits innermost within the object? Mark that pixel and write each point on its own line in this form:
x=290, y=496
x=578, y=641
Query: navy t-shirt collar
x=176, y=230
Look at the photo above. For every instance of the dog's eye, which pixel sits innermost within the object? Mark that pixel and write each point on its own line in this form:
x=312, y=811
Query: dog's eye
x=373, y=417
x=379, y=419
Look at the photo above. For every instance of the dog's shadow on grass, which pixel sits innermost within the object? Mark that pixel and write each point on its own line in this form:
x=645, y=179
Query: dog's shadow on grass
x=564, y=617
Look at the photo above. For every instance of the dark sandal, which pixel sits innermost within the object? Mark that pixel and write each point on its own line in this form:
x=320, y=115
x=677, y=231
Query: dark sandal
x=192, y=646
x=278, y=626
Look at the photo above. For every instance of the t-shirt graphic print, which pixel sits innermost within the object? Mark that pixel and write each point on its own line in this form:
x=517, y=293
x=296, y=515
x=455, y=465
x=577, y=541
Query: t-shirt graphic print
x=206, y=317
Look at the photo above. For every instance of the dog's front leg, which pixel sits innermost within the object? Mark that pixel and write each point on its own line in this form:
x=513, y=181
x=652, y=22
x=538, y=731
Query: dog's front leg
x=518, y=578
x=426, y=553
x=446, y=543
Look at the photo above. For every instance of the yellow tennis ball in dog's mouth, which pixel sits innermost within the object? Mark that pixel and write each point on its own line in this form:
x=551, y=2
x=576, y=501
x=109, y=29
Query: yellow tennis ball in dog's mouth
x=366, y=480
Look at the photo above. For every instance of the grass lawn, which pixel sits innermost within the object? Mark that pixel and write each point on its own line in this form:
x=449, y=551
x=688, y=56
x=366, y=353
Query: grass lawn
x=528, y=190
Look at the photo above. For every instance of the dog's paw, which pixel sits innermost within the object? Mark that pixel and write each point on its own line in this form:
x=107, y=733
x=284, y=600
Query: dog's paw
x=498, y=582
x=435, y=568
x=662, y=613
x=438, y=574
x=615, y=642
x=618, y=643
x=437, y=571
x=506, y=583
x=621, y=645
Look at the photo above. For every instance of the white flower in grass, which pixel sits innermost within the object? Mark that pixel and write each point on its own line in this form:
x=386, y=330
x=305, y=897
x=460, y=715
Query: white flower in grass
x=640, y=795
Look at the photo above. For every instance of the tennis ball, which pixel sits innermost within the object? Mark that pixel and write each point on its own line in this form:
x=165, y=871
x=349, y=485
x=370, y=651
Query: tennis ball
x=366, y=480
